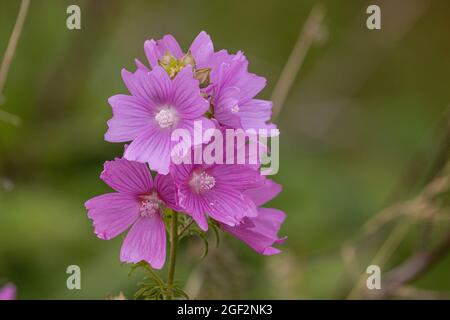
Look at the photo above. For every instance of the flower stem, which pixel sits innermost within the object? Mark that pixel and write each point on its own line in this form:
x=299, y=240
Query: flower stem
x=12, y=44
x=173, y=253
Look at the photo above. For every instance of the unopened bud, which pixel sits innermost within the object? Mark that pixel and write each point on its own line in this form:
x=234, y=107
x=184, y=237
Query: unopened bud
x=202, y=75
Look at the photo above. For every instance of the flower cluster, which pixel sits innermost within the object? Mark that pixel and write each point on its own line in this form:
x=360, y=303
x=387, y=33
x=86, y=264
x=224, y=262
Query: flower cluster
x=177, y=90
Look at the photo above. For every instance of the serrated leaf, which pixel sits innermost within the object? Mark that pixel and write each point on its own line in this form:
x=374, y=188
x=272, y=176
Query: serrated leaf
x=181, y=293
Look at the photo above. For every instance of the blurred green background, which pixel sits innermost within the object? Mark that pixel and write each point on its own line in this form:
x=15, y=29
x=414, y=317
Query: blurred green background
x=365, y=109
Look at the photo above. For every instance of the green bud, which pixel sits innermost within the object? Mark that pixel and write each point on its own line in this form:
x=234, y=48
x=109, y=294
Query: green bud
x=202, y=75
x=171, y=64
x=188, y=59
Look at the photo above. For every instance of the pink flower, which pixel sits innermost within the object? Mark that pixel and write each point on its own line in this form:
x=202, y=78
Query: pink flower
x=261, y=232
x=138, y=202
x=216, y=190
x=157, y=106
x=233, y=90
x=8, y=292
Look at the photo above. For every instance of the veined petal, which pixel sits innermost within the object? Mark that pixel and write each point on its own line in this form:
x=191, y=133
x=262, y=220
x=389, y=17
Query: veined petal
x=194, y=205
x=186, y=95
x=250, y=85
x=127, y=176
x=197, y=129
x=146, y=241
x=231, y=71
x=169, y=43
x=226, y=108
x=202, y=49
x=153, y=147
x=152, y=52
x=153, y=87
x=261, y=232
x=165, y=187
x=264, y=192
x=140, y=65
x=238, y=177
x=217, y=62
x=228, y=205
x=255, y=113
x=112, y=213
x=130, y=117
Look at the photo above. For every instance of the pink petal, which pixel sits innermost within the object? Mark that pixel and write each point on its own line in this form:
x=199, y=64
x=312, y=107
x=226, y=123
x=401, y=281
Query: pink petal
x=8, y=292
x=186, y=95
x=127, y=176
x=238, y=177
x=146, y=241
x=197, y=128
x=228, y=205
x=165, y=187
x=260, y=233
x=152, y=52
x=202, y=48
x=130, y=117
x=168, y=43
x=190, y=202
x=194, y=205
x=269, y=221
x=153, y=147
x=250, y=85
x=264, y=192
x=217, y=62
x=153, y=87
x=112, y=213
x=223, y=107
x=255, y=113
x=140, y=65
x=231, y=71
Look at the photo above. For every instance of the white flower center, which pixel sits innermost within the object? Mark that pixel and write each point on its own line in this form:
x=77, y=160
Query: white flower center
x=235, y=109
x=166, y=117
x=201, y=181
x=150, y=205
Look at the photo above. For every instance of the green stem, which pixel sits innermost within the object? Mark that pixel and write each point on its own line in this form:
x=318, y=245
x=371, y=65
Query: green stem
x=173, y=253
x=154, y=275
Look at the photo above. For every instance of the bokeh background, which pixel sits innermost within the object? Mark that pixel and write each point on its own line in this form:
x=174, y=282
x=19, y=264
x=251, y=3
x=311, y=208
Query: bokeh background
x=363, y=126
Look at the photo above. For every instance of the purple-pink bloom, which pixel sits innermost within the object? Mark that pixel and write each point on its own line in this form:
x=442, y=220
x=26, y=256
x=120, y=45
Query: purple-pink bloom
x=216, y=190
x=138, y=202
x=261, y=232
x=8, y=292
x=233, y=90
x=157, y=106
